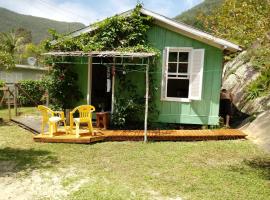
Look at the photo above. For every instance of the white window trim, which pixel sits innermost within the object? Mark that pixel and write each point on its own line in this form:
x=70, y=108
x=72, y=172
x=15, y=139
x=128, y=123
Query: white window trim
x=165, y=73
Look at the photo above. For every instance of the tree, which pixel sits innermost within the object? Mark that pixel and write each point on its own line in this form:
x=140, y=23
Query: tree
x=241, y=21
x=11, y=43
x=11, y=47
x=6, y=60
x=26, y=34
x=32, y=50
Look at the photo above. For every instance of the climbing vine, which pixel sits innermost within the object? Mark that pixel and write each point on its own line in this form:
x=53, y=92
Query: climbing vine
x=130, y=103
x=122, y=33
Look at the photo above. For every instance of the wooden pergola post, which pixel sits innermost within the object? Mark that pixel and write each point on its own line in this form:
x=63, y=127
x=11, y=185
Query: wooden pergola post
x=146, y=100
x=113, y=85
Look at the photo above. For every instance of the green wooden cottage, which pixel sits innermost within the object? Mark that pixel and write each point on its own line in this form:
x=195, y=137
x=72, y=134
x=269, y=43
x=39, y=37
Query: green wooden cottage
x=188, y=73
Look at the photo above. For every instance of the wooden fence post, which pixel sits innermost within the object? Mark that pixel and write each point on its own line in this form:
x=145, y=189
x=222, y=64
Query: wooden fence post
x=15, y=100
x=9, y=110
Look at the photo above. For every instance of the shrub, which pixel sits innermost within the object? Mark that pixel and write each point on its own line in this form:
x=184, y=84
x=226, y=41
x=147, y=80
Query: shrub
x=62, y=86
x=2, y=83
x=34, y=88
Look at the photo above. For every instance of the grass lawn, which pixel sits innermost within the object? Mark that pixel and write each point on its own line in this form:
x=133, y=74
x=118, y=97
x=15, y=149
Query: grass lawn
x=131, y=170
x=21, y=110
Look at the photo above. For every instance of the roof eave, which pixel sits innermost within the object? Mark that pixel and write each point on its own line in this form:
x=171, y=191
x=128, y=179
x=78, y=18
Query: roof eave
x=191, y=32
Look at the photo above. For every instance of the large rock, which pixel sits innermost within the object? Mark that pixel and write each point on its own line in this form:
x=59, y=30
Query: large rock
x=259, y=130
x=237, y=75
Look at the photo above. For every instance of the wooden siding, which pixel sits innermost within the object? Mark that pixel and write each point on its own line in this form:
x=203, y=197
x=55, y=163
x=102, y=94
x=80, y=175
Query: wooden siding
x=204, y=111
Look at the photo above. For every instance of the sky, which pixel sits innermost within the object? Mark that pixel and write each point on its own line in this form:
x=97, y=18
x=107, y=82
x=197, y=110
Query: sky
x=90, y=11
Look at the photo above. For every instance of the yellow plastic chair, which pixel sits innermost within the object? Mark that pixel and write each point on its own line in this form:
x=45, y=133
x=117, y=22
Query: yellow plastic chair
x=51, y=118
x=85, y=116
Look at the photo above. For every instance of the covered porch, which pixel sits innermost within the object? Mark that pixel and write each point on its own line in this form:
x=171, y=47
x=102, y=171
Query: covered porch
x=101, y=72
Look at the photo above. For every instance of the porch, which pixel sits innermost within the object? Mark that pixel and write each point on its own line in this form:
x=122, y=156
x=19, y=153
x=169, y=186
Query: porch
x=100, y=135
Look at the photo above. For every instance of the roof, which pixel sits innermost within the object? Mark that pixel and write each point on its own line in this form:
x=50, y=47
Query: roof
x=101, y=54
x=31, y=67
x=178, y=27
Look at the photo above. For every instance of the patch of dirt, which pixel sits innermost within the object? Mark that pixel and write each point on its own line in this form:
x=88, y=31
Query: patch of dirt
x=6, y=167
x=39, y=185
x=155, y=195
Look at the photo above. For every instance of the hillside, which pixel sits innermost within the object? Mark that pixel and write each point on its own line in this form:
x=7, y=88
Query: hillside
x=189, y=16
x=38, y=26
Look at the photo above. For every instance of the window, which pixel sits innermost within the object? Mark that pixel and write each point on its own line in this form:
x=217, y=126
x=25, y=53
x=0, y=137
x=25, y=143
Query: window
x=182, y=74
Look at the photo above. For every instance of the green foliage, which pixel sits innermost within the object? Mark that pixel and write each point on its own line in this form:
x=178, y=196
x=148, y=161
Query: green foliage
x=205, y=8
x=259, y=57
x=241, y=21
x=6, y=60
x=62, y=86
x=11, y=46
x=245, y=22
x=11, y=42
x=261, y=86
x=2, y=83
x=25, y=34
x=130, y=102
x=115, y=33
x=35, y=89
x=121, y=33
x=33, y=50
x=128, y=113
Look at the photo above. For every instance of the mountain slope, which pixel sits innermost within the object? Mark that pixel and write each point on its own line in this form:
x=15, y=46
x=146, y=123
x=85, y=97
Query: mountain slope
x=38, y=26
x=190, y=16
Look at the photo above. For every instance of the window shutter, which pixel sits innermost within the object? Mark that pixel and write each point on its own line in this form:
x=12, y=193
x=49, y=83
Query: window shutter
x=196, y=74
x=164, y=71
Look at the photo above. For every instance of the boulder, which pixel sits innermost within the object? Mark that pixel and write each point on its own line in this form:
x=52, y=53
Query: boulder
x=237, y=75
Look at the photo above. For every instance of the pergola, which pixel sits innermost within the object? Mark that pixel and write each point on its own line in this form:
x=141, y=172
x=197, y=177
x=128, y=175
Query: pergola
x=118, y=59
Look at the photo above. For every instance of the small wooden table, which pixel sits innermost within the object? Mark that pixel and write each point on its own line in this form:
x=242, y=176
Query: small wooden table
x=102, y=119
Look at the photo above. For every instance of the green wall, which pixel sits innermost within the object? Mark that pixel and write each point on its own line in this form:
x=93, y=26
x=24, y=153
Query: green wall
x=204, y=111
x=81, y=69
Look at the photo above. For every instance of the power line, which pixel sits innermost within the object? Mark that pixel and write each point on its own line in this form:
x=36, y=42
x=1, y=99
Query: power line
x=64, y=11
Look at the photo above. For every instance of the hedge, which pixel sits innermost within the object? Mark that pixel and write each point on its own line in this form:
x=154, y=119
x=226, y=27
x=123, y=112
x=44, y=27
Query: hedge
x=34, y=88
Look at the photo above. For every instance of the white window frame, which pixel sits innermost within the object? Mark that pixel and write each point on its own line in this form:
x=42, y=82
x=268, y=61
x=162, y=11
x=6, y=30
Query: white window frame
x=166, y=73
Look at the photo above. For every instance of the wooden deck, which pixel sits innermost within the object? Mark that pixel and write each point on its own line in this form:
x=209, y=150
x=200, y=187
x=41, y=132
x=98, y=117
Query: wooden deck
x=174, y=135
x=137, y=135
x=61, y=137
x=32, y=123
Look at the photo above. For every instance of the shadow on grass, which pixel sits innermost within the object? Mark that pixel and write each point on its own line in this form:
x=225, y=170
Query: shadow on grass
x=261, y=164
x=5, y=123
x=258, y=165
x=13, y=160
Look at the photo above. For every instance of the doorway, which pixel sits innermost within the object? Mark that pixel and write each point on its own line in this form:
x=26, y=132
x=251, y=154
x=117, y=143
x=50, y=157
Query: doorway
x=101, y=94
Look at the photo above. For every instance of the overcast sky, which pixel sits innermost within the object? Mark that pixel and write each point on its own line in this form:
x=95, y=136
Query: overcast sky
x=89, y=11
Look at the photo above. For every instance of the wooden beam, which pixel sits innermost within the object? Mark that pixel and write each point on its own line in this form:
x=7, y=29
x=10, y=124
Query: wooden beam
x=146, y=100
x=89, y=84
